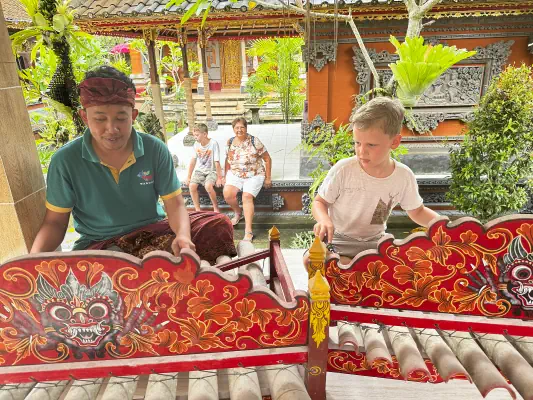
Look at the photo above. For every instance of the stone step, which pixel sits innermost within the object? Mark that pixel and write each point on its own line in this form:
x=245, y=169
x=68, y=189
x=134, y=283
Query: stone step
x=224, y=119
x=218, y=104
x=221, y=112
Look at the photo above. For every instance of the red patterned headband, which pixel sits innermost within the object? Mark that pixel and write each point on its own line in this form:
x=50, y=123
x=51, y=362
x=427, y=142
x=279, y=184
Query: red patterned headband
x=103, y=91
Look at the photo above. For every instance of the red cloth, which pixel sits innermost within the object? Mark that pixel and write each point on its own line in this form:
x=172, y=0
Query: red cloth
x=103, y=91
x=211, y=233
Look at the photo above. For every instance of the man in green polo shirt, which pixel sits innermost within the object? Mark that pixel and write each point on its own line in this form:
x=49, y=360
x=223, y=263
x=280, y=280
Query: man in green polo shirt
x=111, y=178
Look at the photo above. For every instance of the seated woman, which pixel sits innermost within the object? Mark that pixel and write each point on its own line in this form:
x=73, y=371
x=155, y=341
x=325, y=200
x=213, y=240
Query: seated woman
x=111, y=179
x=248, y=168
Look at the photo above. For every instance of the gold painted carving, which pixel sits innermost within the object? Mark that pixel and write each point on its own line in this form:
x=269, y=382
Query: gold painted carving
x=231, y=66
x=317, y=256
x=273, y=233
x=320, y=309
x=204, y=34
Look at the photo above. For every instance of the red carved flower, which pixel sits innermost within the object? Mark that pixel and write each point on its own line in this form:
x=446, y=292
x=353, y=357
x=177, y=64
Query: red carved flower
x=374, y=274
x=445, y=300
x=220, y=313
x=196, y=333
x=440, y=252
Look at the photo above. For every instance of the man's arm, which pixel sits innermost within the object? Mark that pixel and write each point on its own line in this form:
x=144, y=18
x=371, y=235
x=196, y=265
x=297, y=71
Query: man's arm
x=268, y=169
x=422, y=215
x=324, y=225
x=178, y=219
x=51, y=233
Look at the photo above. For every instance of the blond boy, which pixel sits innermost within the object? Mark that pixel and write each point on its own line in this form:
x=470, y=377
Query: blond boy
x=356, y=198
x=204, y=168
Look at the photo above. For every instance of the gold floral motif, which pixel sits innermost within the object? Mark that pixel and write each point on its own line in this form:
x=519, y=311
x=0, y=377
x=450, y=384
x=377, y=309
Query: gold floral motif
x=319, y=320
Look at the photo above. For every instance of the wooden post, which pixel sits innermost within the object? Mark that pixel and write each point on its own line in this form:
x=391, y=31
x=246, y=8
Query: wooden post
x=319, y=318
x=317, y=257
x=22, y=188
x=203, y=38
x=244, y=76
x=187, y=85
x=149, y=37
x=273, y=237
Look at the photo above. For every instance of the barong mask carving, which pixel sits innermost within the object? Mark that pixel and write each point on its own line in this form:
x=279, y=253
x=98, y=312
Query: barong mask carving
x=83, y=317
x=518, y=272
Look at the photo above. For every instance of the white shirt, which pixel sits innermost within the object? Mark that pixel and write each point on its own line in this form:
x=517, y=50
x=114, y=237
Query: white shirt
x=359, y=204
x=206, y=156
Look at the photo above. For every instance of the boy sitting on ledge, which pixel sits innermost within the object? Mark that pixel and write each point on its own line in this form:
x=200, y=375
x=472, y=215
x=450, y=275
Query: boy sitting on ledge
x=356, y=198
x=204, y=168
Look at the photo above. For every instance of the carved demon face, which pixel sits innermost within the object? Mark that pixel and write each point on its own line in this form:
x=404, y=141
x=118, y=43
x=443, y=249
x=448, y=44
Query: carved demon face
x=519, y=273
x=82, y=315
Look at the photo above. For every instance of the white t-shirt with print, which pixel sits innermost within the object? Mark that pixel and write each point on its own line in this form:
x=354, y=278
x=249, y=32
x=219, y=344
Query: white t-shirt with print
x=206, y=156
x=360, y=204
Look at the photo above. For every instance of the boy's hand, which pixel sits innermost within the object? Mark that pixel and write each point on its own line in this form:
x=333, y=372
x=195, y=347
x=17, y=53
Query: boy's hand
x=220, y=181
x=267, y=183
x=324, y=229
x=187, y=181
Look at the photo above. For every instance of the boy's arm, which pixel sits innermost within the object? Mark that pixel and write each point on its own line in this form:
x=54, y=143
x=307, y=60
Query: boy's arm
x=189, y=173
x=422, y=215
x=220, y=177
x=324, y=226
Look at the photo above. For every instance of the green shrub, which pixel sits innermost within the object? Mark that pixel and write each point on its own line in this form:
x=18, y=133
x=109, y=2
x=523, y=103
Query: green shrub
x=302, y=240
x=491, y=168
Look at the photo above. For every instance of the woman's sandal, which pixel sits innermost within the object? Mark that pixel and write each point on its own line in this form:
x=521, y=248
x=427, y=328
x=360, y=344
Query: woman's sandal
x=236, y=219
x=251, y=234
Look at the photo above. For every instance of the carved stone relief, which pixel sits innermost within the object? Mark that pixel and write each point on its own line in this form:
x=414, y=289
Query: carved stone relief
x=320, y=53
x=277, y=202
x=453, y=95
x=316, y=124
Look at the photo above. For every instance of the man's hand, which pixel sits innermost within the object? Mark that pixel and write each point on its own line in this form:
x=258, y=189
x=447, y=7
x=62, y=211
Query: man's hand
x=324, y=229
x=267, y=183
x=182, y=242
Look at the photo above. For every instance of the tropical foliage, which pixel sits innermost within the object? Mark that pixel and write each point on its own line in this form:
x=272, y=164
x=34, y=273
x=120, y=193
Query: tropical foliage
x=491, y=168
x=170, y=63
x=278, y=75
x=52, y=21
x=420, y=65
x=53, y=28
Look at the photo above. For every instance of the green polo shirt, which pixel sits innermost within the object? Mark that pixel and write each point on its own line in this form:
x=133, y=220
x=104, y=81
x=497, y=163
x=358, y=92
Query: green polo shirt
x=106, y=202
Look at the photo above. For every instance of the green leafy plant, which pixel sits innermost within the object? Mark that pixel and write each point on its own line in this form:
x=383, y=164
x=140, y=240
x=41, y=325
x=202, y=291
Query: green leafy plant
x=256, y=88
x=491, y=168
x=328, y=147
x=278, y=74
x=420, y=65
x=302, y=240
x=170, y=63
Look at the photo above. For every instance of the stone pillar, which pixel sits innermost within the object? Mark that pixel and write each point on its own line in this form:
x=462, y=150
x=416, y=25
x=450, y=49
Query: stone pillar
x=188, y=140
x=203, y=38
x=244, y=78
x=149, y=37
x=22, y=188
